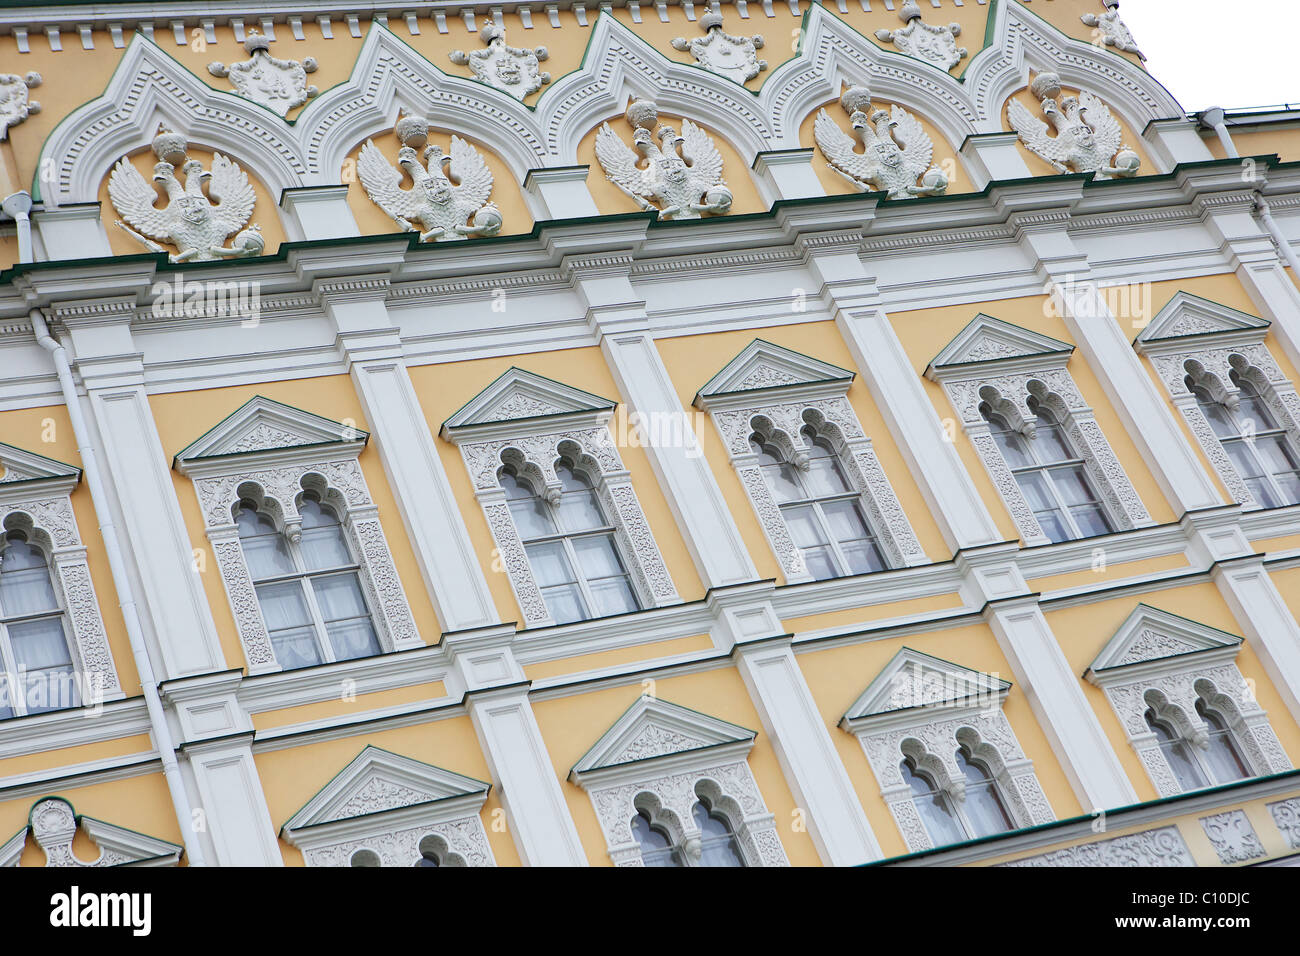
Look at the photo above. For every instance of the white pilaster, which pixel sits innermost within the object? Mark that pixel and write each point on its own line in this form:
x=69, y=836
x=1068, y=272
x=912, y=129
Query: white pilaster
x=1174, y=141
x=993, y=157
x=72, y=232
x=318, y=212
x=787, y=174
x=562, y=191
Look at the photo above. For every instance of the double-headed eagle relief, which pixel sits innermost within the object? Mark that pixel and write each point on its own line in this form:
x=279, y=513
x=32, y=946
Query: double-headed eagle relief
x=279, y=85
x=1088, y=138
x=15, y=106
x=685, y=186
x=934, y=44
x=896, y=151
x=509, y=69
x=190, y=221
x=721, y=53
x=443, y=208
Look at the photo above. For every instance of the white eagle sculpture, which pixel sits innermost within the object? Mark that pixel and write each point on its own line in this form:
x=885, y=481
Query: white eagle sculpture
x=1091, y=145
x=685, y=186
x=442, y=208
x=190, y=221
x=888, y=162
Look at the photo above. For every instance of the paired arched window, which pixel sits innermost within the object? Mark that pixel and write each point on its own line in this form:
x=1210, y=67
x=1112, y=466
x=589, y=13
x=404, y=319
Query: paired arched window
x=1219, y=761
x=34, y=646
x=1051, y=476
x=309, y=590
x=717, y=844
x=981, y=813
x=570, y=546
x=821, y=509
x=1257, y=447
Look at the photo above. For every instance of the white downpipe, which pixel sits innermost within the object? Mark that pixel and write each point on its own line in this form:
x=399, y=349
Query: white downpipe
x=19, y=205
x=162, y=736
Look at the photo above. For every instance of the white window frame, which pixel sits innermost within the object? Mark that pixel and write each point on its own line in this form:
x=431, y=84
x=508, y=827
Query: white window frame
x=1162, y=661
x=1208, y=341
x=36, y=498
x=999, y=364
x=530, y=422
x=660, y=757
x=391, y=805
x=776, y=392
x=926, y=708
x=273, y=453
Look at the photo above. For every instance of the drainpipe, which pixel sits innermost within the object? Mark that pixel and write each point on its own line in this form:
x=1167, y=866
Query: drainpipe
x=19, y=205
x=1215, y=119
x=162, y=735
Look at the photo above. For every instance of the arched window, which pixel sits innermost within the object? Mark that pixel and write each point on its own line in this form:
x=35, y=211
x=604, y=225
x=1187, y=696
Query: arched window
x=570, y=547
x=982, y=809
x=717, y=841
x=1051, y=477
x=932, y=805
x=980, y=814
x=1221, y=756
x=821, y=509
x=1187, y=769
x=365, y=858
x=657, y=847
x=1257, y=447
x=309, y=592
x=33, y=640
x=718, y=845
x=430, y=854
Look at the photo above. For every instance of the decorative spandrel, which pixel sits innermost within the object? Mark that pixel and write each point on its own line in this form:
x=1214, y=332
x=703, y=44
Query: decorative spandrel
x=679, y=176
x=446, y=191
x=190, y=221
x=1088, y=137
x=896, y=150
x=15, y=105
x=510, y=69
x=277, y=84
x=722, y=53
x=934, y=44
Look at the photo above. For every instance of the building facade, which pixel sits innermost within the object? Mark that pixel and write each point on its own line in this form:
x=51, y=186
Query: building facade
x=755, y=434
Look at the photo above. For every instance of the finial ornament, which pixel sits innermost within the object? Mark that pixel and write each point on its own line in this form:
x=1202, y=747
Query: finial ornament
x=509, y=69
x=719, y=52
x=676, y=182
x=895, y=148
x=190, y=221
x=1111, y=30
x=14, y=104
x=934, y=44
x=279, y=85
x=443, y=208
x=1081, y=145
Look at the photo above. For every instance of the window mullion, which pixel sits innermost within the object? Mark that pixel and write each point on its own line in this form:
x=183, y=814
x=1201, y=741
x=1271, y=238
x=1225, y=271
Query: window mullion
x=10, y=663
x=318, y=619
x=581, y=579
x=840, y=560
x=1066, y=516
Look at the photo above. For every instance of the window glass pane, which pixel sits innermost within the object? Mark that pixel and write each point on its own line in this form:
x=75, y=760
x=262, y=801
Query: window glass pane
x=983, y=806
x=1034, y=486
x=656, y=849
x=1262, y=491
x=550, y=564
x=784, y=482
x=45, y=663
x=1072, y=485
x=932, y=807
x=845, y=520
x=766, y=455
x=613, y=596
x=565, y=603
x=354, y=638
x=1276, y=456
x=578, y=509
x=265, y=550
x=1243, y=459
x=820, y=562
x=1290, y=485
x=25, y=584
x=717, y=844
x=1252, y=412
x=597, y=557
x=347, y=620
x=1222, y=756
x=1051, y=443
x=1186, y=771
x=1091, y=519
x=284, y=609
x=824, y=477
x=322, y=541
x=803, y=526
x=1220, y=419
x=1053, y=525
x=532, y=518
x=863, y=556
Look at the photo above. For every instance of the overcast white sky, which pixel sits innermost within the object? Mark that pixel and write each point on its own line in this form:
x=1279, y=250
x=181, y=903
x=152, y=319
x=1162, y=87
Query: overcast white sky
x=1229, y=53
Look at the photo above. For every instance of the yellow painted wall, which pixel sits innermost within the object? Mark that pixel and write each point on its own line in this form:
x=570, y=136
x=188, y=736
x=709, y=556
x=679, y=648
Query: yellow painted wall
x=692, y=360
x=82, y=753
x=1102, y=574
x=623, y=655
x=48, y=431
x=924, y=332
x=355, y=706
x=292, y=777
x=1083, y=631
x=1284, y=141
x=444, y=388
x=571, y=725
x=182, y=417
x=837, y=676
x=867, y=615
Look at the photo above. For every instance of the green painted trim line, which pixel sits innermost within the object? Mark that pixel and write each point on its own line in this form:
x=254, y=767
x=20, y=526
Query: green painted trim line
x=1085, y=818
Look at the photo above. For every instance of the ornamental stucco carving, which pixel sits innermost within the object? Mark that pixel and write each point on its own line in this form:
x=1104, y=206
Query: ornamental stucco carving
x=722, y=53
x=1286, y=815
x=1111, y=30
x=279, y=85
x=54, y=826
x=889, y=161
x=934, y=44
x=1233, y=838
x=190, y=221
x=15, y=105
x=681, y=174
x=1162, y=846
x=1088, y=138
x=443, y=208
x=509, y=69
x=465, y=843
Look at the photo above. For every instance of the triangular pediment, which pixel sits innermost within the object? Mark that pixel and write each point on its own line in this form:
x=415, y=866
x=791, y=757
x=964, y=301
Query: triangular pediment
x=520, y=396
x=987, y=339
x=1188, y=315
x=913, y=680
x=651, y=729
x=263, y=425
x=762, y=365
x=376, y=781
x=1150, y=634
x=18, y=466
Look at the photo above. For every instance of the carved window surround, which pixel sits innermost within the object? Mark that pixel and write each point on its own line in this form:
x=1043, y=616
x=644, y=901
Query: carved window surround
x=776, y=392
x=393, y=806
x=530, y=422
x=1215, y=341
x=36, y=497
x=994, y=362
x=53, y=824
x=1157, y=659
x=661, y=758
x=925, y=708
x=282, y=452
